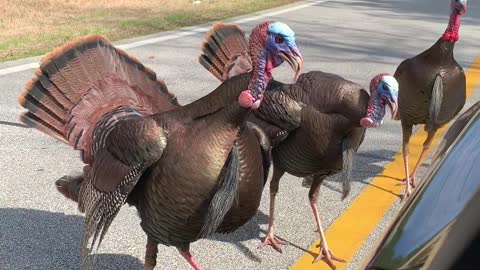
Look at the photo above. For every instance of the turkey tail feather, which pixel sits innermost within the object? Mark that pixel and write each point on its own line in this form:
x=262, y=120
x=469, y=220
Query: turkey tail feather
x=350, y=145
x=102, y=207
x=225, y=196
x=83, y=80
x=436, y=103
x=347, y=168
x=225, y=51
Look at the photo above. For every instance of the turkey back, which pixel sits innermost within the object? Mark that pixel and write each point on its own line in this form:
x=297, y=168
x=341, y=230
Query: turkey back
x=331, y=93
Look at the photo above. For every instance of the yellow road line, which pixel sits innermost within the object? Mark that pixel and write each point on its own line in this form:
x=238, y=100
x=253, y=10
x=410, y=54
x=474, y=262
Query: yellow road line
x=348, y=232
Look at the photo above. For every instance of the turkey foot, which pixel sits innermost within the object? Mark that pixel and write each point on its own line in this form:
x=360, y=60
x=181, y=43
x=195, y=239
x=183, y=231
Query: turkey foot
x=327, y=256
x=184, y=251
x=408, y=190
x=272, y=240
x=406, y=195
x=413, y=180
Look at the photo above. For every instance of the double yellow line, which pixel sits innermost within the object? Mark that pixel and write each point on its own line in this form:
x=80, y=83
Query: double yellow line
x=348, y=232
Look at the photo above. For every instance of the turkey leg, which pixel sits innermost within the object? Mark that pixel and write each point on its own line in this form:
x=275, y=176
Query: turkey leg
x=271, y=239
x=151, y=254
x=185, y=252
x=325, y=254
x=426, y=146
x=407, y=133
x=411, y=178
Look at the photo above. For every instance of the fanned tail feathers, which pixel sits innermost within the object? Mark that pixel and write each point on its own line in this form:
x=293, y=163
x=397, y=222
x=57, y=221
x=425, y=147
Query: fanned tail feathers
x=80, y=93
x=225, y=51
x=83, y=80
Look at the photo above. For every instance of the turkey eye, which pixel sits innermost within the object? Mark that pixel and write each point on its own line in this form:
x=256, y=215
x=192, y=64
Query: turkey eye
x=278, y=39
x=385, y=87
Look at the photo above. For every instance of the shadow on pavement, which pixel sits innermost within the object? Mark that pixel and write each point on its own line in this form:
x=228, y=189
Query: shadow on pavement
x=42, y=240
x=364, y=167
x=249, y=231
x=13, y=124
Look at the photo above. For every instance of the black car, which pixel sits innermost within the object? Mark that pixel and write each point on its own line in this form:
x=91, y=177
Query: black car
x=439, y=227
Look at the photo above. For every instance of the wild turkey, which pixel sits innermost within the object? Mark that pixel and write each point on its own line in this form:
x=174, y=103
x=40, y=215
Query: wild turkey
x=431, y=89
x=189, y=170
x=315, y=125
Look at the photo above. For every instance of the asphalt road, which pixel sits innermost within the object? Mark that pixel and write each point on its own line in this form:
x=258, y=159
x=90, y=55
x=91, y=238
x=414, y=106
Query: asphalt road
x=39, y=229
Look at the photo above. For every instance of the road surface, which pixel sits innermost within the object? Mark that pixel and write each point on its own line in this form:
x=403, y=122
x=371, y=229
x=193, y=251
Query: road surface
x=39, y=229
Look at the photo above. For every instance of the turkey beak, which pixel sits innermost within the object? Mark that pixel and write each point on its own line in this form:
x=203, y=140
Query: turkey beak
x=393, y=107
x=294, y=59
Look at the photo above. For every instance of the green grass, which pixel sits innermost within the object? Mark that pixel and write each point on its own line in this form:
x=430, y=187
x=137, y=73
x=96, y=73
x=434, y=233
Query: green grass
x=27, y=47
x=140, y=18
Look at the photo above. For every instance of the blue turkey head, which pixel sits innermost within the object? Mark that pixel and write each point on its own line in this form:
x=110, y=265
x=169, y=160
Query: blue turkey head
x=281, y=46
x=383, y=92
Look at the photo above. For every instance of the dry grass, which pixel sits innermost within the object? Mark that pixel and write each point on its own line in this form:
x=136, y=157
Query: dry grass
x=33, y=27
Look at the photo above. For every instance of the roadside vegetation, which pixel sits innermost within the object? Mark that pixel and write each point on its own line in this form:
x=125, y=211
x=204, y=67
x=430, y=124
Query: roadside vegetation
x=34, y=27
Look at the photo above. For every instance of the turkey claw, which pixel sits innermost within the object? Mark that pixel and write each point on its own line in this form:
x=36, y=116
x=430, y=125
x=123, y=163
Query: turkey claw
x=412, y=181
x=274, y=242
x=408, y=191
x=328, y=257
x=405, y=196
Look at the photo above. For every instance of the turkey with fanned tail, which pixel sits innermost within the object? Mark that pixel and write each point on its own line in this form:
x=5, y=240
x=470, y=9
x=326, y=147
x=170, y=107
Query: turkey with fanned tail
x=189, y=170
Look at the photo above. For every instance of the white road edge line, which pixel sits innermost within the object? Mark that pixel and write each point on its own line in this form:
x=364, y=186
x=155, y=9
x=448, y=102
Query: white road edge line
x=135, y=44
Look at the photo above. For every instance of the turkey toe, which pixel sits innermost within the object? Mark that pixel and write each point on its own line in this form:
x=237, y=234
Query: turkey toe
x=274, y=242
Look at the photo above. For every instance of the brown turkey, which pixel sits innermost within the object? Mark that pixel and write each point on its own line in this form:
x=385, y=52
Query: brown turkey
x=315, y=125
x=431, y=89
x=190, y=170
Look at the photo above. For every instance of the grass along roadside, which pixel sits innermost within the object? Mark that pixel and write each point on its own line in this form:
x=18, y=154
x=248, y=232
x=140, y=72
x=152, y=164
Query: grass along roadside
x=34, y=27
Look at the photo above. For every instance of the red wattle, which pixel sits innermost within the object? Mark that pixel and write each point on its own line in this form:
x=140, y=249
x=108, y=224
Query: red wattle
x=245, y=99
x=446, y=36
x=366, y=122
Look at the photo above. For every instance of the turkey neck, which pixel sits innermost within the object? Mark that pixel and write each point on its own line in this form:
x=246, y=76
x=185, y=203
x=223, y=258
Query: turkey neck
x=441, y=53
x=224, y=95
x=376, y=107
x=261, y=73
x=261, y=64
x=224, y=99
x=453, y=23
